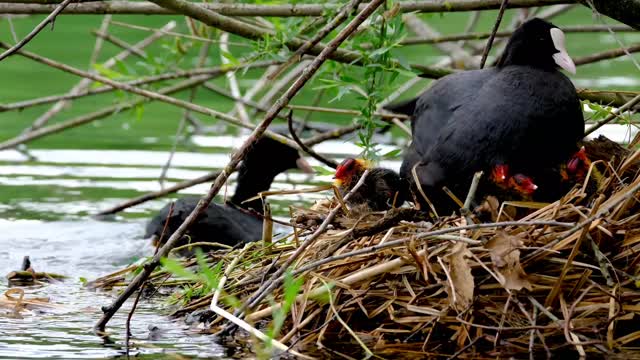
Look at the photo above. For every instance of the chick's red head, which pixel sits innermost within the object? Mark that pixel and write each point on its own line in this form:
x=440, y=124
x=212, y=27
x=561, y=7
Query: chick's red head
x=348, y=169
x=579, y=162
x=523, y=184
x=500, y=173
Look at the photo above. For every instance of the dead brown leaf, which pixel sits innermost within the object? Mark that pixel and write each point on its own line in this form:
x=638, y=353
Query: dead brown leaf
x=461, y=296
x=505, y=257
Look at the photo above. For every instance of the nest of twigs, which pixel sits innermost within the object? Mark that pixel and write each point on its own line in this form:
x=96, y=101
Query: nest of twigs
x=563, y=278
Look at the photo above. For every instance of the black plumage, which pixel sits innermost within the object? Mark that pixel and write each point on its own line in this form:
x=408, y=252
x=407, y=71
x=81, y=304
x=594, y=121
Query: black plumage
x=237, y=221
x=381, y=190
x=523, y=113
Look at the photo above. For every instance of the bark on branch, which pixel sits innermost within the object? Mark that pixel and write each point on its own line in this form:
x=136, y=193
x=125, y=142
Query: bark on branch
x=313, y=67
x=282, y=10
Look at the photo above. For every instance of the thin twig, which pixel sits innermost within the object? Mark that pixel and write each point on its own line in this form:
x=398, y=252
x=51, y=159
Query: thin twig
x=202, y=58
x=127, y=335
x=502, y=34
x=606, y=55
x=215, y=71
x=629, y=105
x=485, y=53
x=85, y=83
x=49, y=19
x=104, y=26
x=270, y=284
x=87, y=118
x=330, y=163
x=267, y=10
x=119, y=43
x=472, y=190
x=109, y=311
x=136, y=90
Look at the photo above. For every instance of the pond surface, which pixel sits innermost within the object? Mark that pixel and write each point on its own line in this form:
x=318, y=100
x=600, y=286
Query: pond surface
x=46, y=215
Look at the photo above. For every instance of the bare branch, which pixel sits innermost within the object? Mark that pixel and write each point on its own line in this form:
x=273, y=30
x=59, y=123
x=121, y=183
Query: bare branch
x=36, y=30
x=119, y=43
x=606, y=55
x=282, y=10
x=84, y=83
x=236, y=158
x=146, y=93
x=485, y=53
x=502, y=34
x=214, y=71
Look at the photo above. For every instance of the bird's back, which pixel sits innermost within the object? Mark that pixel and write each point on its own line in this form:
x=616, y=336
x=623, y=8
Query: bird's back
x=522, y=116
x=218, y=223
x=436, y=107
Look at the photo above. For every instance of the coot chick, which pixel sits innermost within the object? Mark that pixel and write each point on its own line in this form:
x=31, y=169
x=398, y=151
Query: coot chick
x=523, y=113
x=381, y=190
x=233, y=222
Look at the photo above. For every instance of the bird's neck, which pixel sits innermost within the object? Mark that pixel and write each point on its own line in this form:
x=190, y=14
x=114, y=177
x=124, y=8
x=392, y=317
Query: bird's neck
x=521, y=56
x=250, y=183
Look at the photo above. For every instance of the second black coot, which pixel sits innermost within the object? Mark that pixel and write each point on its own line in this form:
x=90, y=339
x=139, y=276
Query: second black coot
x=237, y=221
x=522, y=113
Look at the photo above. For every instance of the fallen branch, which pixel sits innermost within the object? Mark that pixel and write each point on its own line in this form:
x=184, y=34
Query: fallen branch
x=313, y=67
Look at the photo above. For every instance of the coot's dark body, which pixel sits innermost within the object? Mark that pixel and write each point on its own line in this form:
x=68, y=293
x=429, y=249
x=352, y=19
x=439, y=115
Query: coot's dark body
x=238, y=221
x=523, y=113
x=218, y=223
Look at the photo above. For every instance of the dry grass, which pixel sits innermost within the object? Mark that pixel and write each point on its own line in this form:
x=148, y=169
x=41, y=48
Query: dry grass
x=563, y=278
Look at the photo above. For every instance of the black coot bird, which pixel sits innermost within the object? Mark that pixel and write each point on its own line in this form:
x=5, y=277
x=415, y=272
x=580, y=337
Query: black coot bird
x=232, y=223
x=518, y=118
x=381, y=190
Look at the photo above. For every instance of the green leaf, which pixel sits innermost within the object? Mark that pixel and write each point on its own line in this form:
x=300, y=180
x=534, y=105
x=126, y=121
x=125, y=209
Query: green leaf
x=105, y=71
x=210, y=276
x=139, y=111
x=402, y=61
x=227, y=55
x=392, y=153
x=177, y=269
x=321, y=170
